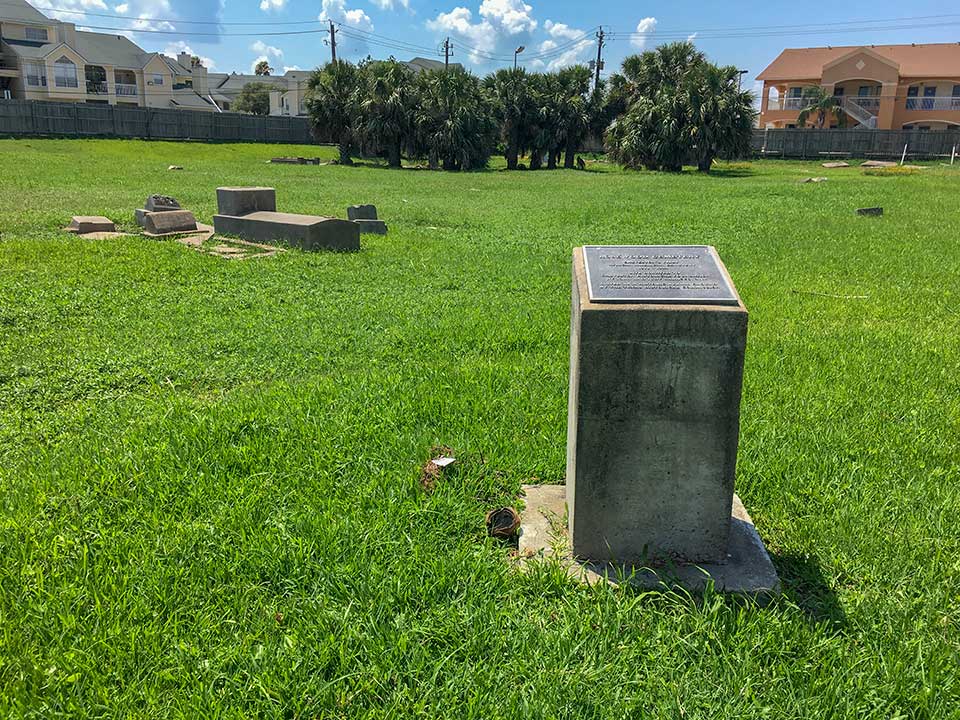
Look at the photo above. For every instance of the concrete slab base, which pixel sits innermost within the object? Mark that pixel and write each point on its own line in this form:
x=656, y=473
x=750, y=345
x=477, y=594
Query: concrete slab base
x=307, y=232
x=85, y=224
x=747, y=570
x=371, y=227
x=200, y=234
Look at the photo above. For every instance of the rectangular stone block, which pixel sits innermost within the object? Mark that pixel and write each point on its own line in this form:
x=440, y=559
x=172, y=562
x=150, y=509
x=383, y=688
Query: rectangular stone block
x=83, y=224
x=653, y=425
x=172, y=221
x=371, y=227
x=362, y=212
x=307, y=232
x=245, y=200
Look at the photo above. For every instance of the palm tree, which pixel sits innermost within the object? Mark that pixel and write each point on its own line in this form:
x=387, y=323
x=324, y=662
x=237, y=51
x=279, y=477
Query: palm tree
x=388, y=106
x=334, y=105
x=817, y=101
x=510, y=91
x=575, y=110
x=721, y=114
x=653, y=86
x=455, y=120
x=546, y=131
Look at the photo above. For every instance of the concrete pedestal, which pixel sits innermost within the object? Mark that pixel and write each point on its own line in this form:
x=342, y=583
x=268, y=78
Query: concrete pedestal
x=653, y=426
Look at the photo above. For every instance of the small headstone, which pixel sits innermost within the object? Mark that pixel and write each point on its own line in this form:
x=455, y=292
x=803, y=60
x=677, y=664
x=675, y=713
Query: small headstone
x=160, y=203
x=171, y=221
x=362, y=212
x=832, y=165
x=83, y=224
x=237, y=201
x=870, y=211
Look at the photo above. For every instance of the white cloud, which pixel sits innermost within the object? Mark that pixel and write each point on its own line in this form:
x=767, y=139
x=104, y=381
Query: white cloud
x=266, y=50
x=268, y=5
x=571, y=53
x=691, y=38
x=337, y=11
x=288, y=68
x=647, y=26
x=121, y=9
x=391, y=4
x=77, y=5
x=481, y=35
x=498, y=28
x=511, y=16
x=175, y=48
x=561, y=31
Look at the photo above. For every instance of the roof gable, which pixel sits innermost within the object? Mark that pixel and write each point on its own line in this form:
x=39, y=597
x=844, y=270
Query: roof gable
x=933, y=60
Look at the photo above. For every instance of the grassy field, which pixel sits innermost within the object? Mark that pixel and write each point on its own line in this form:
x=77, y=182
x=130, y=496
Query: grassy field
x=209, y=469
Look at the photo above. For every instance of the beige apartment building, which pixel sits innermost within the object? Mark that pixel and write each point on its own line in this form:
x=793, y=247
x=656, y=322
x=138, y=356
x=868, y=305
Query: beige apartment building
x=46, y=59
x=884, y=87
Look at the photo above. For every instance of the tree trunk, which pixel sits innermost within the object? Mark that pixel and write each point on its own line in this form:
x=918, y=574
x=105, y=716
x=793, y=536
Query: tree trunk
x=535, y=159
x=449, y=164
x=394, y=155
x=704, y=163
x=569, y=159
x=511, y=156
x=552, y=160
x=345, y=154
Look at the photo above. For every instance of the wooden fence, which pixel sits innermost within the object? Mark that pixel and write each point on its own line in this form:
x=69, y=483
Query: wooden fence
x=34, y=117
x=826, y=144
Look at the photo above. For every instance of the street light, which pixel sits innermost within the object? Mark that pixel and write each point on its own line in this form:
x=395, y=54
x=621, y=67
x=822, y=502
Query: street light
x=740, y=74
x=517, y=52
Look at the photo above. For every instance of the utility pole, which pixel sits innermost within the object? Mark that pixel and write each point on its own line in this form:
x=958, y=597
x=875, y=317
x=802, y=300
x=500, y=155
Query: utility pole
x=447, y=52
x=599, y=66
x=333, y=42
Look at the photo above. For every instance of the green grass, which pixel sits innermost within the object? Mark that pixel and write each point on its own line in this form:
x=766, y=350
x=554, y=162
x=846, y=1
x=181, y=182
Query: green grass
x=209, y=468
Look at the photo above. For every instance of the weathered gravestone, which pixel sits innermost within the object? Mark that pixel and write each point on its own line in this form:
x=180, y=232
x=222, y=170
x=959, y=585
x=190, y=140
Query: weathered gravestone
x=365, y=216
x=657, y=342
x=173, y=221
x=250, y=213
x=155, y=203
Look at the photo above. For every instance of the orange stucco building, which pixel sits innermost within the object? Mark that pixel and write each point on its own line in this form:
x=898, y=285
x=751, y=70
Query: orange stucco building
x=886, y=87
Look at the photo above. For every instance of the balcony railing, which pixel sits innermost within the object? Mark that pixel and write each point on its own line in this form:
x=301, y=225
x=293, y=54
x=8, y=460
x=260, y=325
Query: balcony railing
x=97, y=87
x=126, y=90
x=867, y=102
x=933, y=103
x=8, y=63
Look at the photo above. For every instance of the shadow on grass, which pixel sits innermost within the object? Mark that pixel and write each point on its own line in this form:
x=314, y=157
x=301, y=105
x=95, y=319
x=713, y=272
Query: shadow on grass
x=803, y=582
x=733, y=171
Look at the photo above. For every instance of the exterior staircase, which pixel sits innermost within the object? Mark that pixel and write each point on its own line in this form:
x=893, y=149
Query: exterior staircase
x=863, y=110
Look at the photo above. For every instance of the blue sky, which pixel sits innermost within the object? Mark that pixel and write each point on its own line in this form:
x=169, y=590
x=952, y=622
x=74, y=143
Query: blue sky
x=485, y=33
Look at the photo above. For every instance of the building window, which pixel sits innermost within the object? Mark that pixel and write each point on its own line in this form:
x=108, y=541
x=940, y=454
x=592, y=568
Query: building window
x=924, y=128
x=35, y=74
x=33, y=33
x=908, y=127
x=838, y=92
x=156, y=79
x=929, y=93
x=65, y=73
x=912, y=93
